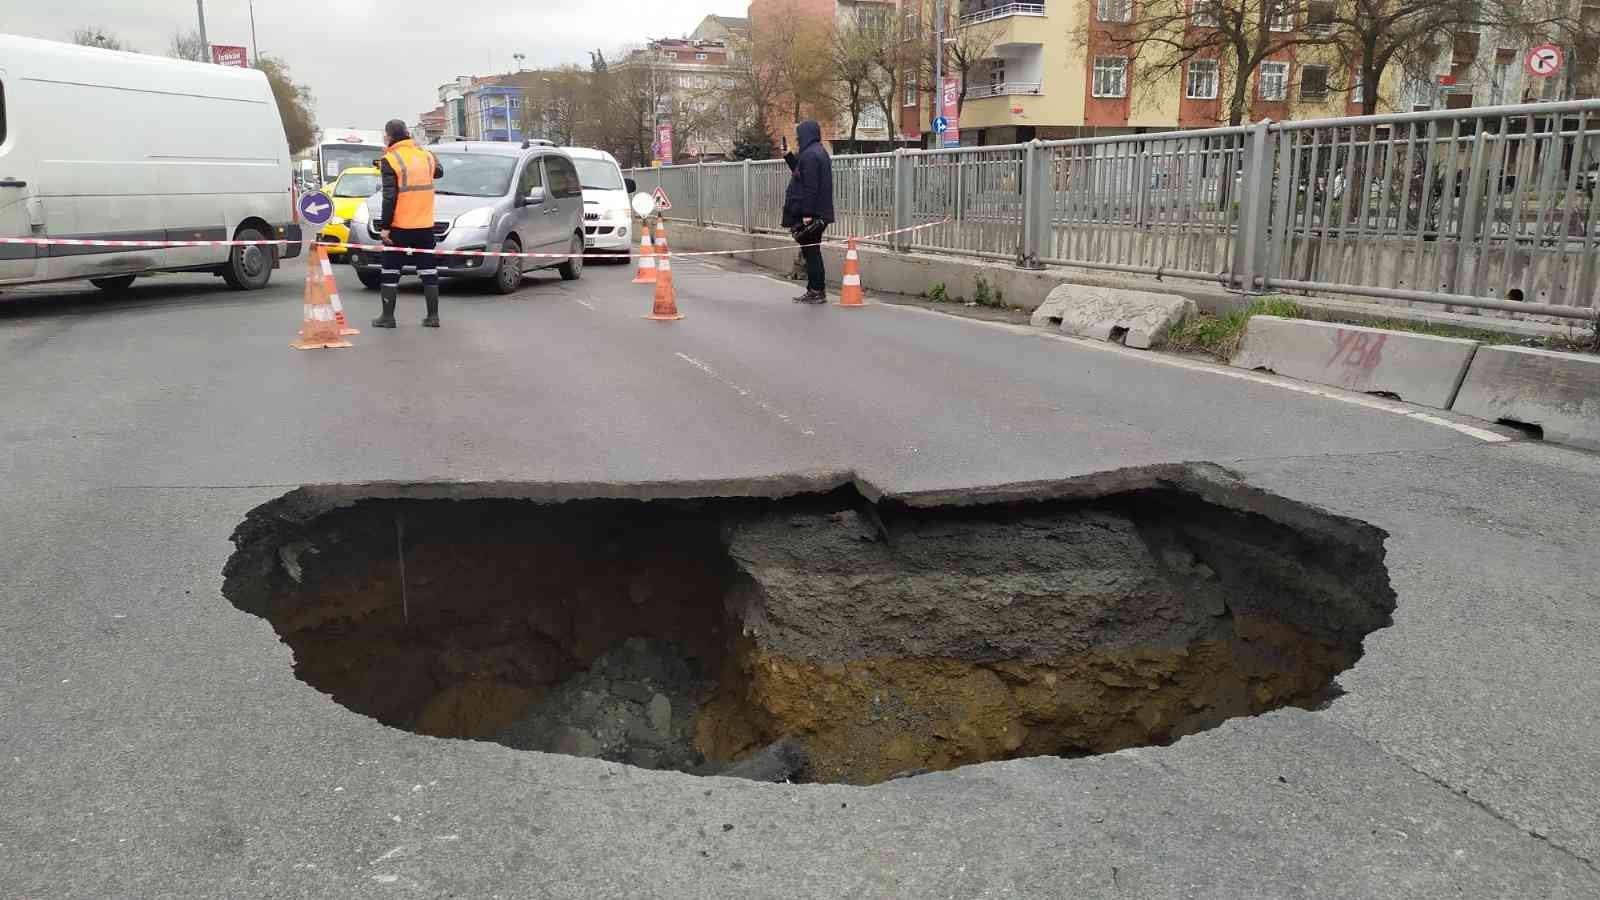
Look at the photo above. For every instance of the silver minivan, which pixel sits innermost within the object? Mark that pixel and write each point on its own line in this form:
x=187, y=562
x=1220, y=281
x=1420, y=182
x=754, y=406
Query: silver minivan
x=493, y=196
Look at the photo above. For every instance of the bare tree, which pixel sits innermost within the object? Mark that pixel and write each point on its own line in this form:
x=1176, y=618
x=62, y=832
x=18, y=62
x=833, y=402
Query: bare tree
x=97, y=36
x=1164, y=36
x=795, y=51
x=965, y=46
x=187, y=45
x=294, y=103
x=855, y=50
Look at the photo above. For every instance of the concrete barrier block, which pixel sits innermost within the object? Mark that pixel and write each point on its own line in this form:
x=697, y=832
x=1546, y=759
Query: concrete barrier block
x=1417, y=368
x=1559, y=392
x=1137, y=318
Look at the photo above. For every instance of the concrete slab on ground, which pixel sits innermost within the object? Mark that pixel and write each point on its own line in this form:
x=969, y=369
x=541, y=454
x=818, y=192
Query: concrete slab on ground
x=1559, y=392
x=1416, y=368
x=1137, y=319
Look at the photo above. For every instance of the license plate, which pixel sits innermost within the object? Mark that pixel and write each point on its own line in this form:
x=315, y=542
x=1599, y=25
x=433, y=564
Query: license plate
x=588, y=242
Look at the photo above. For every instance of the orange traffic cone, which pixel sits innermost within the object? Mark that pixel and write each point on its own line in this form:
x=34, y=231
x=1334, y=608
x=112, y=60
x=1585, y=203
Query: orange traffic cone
x=320, y=330
x=850, y=285
x=666, y=307
x=647, y=259
x=333, y=293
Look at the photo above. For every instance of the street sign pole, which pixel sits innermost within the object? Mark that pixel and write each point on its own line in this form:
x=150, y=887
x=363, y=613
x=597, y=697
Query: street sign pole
x=200, y=7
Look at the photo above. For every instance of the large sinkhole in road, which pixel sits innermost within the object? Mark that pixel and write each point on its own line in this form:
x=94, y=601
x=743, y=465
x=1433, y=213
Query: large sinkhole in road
x=819, y=637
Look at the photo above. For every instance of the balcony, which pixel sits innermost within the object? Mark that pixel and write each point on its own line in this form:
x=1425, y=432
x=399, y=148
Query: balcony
x=1001, y=11
x=1003, y=89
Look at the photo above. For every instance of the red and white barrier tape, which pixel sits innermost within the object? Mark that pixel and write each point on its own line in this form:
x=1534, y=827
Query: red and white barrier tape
x=81, y=242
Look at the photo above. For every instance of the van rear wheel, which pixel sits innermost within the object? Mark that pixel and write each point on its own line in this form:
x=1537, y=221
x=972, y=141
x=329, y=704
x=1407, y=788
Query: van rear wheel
x=248, y=268
x=369, y=279
x=114, y=285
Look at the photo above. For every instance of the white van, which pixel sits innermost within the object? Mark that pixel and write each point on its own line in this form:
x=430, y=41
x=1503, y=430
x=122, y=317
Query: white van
x=607, y=217
x=98, y=144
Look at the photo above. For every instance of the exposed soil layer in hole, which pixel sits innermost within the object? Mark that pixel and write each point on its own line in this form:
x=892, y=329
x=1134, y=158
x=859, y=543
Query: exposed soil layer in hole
x=870, y=639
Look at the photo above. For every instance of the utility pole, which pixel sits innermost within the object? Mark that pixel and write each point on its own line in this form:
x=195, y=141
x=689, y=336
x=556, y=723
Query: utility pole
x=938, y=64
x=255, y=48
x=200, y=5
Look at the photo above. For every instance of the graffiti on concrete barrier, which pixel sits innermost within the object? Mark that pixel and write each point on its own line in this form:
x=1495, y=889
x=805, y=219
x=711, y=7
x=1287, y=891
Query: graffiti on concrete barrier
x=1357, y=350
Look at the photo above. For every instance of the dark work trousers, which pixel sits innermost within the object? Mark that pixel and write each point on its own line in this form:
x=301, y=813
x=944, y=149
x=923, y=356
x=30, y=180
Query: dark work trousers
x=395, y=258
x=816, y=278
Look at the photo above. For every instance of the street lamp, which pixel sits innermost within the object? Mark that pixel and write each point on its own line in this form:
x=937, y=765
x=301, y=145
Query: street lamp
x=519, y=57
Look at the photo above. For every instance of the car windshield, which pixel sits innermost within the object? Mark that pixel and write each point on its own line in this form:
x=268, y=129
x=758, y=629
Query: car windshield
x=351, y=184
x=599, y=174
x=475, y=174
x=338, y=157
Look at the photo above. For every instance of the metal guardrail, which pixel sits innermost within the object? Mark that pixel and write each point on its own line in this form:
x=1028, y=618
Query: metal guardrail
x=1003, y=89
x=1000, y=12
x=1487, y=208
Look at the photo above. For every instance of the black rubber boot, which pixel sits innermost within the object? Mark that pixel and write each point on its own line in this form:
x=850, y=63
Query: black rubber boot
x=430, y=296
x=391, y=296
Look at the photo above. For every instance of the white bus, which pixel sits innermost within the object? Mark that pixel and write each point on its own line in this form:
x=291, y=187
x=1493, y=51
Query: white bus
x=346, y=148
x=101, y=145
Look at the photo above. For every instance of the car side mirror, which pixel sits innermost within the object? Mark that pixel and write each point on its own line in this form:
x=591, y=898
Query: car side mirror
x=535, y=197
x=631, y=185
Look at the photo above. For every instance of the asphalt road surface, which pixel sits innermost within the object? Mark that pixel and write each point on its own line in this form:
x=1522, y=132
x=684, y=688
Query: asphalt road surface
x=154, y=741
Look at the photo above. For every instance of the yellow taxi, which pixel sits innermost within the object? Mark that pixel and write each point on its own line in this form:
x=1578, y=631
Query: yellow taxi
x=352, y=189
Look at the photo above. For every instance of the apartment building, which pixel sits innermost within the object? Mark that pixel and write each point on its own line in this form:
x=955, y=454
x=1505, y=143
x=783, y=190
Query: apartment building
x=692, y=79
x=1487, y=67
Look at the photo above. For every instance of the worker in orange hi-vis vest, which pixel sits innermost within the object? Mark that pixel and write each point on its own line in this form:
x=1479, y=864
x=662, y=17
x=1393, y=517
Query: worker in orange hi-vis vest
x=407, y=221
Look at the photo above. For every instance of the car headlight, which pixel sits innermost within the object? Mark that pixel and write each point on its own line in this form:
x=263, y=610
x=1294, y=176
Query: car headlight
x=476, y=218
x=336, y=220
x=362, y=214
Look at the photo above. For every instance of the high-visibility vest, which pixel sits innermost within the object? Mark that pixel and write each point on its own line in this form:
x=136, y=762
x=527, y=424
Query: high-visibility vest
x=413, y=169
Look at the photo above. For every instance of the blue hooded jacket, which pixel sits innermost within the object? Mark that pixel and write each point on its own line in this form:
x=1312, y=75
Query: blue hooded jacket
x=816, y=173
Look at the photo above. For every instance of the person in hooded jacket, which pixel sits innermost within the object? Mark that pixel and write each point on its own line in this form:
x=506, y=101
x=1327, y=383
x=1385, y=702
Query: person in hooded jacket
x=814, y=170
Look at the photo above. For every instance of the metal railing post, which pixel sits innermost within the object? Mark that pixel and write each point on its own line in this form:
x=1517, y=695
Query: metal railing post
x=1037, y=202
x=744, y=199
x=700, y=194
x=903, y=186
x=1253, y=221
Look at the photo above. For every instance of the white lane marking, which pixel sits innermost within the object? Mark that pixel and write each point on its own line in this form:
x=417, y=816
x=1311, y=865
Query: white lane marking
x=1194, y=365
x=714, y=374
x=582, y=303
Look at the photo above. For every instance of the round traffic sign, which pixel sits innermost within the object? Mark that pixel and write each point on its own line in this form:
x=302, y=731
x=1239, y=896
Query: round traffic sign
x=316, y=208
x=644, y=205
x=1544, y=60
x=940, y=124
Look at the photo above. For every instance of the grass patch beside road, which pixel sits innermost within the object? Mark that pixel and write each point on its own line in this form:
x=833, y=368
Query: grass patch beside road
x=1220, y=336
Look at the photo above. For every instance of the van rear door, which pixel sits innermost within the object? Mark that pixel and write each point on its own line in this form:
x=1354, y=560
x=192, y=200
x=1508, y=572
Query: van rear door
x=18, y=262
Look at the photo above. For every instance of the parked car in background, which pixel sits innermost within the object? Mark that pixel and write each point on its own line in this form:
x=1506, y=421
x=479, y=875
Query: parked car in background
x=493, y=196
x=351, y=190
x=607, y=213
x=100, y=144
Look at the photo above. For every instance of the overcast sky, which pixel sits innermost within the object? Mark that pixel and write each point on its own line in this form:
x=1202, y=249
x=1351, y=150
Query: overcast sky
x=363, y=65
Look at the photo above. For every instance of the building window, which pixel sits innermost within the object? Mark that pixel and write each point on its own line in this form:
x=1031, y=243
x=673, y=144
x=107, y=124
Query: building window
x=1114, y=10
x=1501, y=77
x=1281, y=18
x=1273, y=82
x=1204, y=14
x=1202, y=81
x=908, y=20
x=909, y=95
x=1313, y=82
x=700, y=56
x=997, y=74
x=1110, y=76
x=1319, y=16
x=672, y=54
x=1355, y=84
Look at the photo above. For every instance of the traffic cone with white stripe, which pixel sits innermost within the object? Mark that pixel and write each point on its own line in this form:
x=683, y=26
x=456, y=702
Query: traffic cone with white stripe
x=333, y=293
x=647, y=258
x=320, y=329
x=666, y=306
x=850, y=285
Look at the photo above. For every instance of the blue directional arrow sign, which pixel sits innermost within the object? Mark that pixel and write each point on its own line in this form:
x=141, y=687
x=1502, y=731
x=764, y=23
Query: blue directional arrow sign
x=940, y=124
x=316, y=208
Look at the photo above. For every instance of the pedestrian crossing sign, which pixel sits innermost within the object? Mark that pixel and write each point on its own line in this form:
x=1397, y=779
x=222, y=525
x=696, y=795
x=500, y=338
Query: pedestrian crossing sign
x=661, y=199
